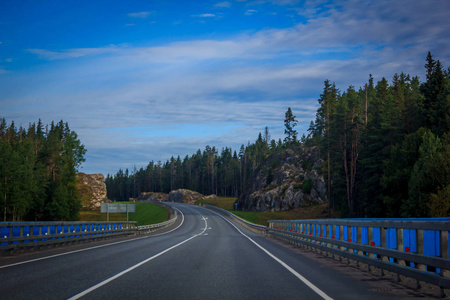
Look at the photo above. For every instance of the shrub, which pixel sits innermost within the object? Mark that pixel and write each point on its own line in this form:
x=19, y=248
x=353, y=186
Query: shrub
x=307, y=165
x=298, y=185
x=307, y=186
x=269, y=187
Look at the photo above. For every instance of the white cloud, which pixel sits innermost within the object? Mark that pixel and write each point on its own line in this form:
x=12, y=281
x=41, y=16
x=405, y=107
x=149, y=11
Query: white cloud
x=73, y=53
x=140, y=15
x=224, y=4
x=275, y=2
x=204, y=16
x=250, y=12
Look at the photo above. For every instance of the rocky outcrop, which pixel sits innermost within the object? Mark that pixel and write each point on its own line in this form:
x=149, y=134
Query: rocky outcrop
x=287, y=179
x=210, y=197
x=92, y=188
x=150, y=196
x=184, y=196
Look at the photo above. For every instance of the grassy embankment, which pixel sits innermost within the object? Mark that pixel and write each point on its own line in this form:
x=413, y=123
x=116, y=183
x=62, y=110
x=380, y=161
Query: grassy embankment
x=319, y=211
x=146, y=213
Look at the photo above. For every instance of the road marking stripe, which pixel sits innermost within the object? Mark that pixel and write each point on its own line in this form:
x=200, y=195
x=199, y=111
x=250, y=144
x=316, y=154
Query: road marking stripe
x=303, y=279
x=92, y=248
x=85, y=292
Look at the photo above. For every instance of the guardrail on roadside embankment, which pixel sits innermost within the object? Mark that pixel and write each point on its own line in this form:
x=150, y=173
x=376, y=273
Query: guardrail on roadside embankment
x=249, y=225
x=415, y=248
x=19, y=235
x=23, y=235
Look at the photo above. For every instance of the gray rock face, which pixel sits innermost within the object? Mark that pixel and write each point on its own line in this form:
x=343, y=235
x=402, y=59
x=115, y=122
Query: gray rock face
x=184, y=196
x=286, y=180
x=95, y=188
x=150, y=196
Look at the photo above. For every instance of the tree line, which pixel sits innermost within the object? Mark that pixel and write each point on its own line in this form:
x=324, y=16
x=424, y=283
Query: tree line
x=224, y=173
x=38, y=168
x=208, y=172
x=387, y=145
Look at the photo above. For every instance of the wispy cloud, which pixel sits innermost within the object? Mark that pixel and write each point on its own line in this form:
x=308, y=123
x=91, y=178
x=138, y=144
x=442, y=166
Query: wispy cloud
x=224, y=4
x=72, y=53
x=349, y=26
x=208, y=15
x=140, y=15
x=236, y=85
x=275, y=2
x=250, y=12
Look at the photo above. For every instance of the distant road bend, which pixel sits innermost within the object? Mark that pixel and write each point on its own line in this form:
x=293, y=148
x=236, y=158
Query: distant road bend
x=203, y=256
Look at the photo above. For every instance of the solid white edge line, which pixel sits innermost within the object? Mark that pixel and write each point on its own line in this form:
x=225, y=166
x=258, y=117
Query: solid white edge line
x=295, y=273
x=92, y=248
x=87, y=291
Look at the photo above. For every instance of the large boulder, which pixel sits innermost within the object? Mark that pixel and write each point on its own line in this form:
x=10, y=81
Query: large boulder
x=151, y=196
x=287, y=179
x=184, y=196
x=92, y=188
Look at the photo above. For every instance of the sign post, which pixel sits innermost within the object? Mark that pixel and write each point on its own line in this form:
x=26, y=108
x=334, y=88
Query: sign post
x=116, y=208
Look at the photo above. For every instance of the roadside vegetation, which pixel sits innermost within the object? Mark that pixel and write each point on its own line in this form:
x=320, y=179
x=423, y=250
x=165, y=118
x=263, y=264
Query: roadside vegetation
x=38, y=170
x=146, y=214
x=222, y=202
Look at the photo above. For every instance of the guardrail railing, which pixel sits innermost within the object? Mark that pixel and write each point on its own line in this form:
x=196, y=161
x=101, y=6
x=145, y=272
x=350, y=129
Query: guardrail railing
x=154, y=227
x=22, y=235
x=19, y=235
x=252, y=226
x=415, y=248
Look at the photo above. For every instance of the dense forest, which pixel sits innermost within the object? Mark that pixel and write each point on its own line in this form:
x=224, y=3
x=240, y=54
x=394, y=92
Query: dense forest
x=38, y=169
x=386, y=148
x=208, y=172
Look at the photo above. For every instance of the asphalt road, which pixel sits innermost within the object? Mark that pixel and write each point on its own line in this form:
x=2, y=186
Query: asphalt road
x=203, y=256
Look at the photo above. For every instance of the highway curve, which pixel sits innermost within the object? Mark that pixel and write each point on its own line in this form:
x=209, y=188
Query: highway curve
x=203, y=256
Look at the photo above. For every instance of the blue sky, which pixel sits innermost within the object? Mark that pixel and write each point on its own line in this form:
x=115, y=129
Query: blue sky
x=147, y=80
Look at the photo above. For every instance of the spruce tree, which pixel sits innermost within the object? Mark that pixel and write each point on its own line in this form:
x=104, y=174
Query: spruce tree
x=289, y=123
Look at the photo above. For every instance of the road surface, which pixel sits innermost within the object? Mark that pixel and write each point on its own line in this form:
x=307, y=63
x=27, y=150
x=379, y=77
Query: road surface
x=203, y=256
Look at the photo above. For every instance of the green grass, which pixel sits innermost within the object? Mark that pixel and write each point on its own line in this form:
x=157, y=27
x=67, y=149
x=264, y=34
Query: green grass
x=260, y=218
x=146, y=213
x=222, y=202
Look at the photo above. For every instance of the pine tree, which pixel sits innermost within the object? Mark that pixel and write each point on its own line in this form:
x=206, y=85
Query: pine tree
x=436, y=102
x=347, y=132
x=289, y=123
x=322, y=129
